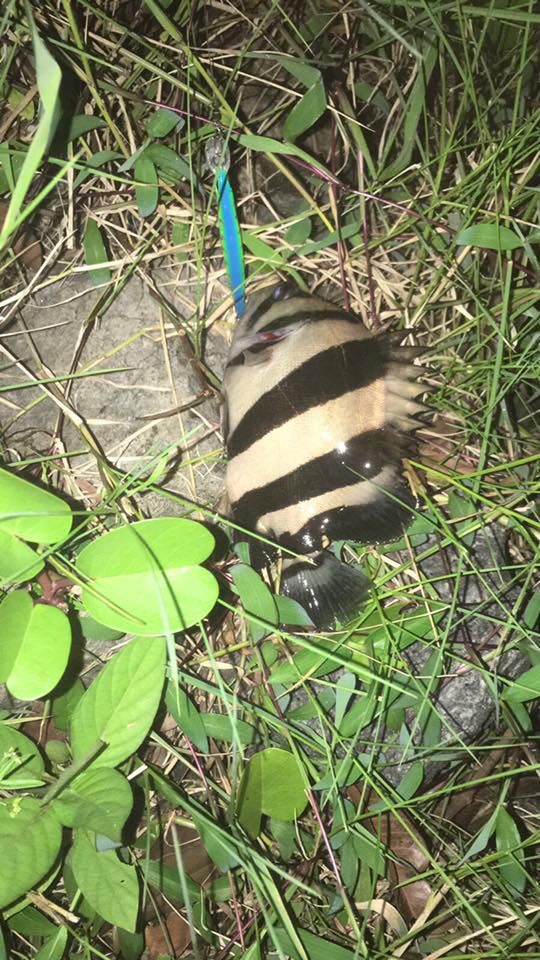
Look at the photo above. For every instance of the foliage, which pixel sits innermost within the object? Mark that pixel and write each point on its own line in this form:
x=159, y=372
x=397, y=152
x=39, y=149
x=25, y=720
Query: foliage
x=215, y=783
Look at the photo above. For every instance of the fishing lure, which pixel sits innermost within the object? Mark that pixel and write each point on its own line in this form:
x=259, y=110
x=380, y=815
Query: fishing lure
x=218, y=160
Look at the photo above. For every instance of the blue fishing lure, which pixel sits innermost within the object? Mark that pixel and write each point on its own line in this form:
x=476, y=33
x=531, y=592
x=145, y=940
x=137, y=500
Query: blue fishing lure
x=218, y=160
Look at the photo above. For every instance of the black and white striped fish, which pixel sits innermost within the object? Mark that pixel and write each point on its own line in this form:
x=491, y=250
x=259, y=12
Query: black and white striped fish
x=318, y=416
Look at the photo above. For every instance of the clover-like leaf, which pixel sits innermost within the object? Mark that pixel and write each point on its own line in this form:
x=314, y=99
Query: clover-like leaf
x=35, y=640
x=145, y=578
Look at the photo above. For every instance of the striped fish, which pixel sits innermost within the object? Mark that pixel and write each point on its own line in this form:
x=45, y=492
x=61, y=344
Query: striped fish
x=318, y=415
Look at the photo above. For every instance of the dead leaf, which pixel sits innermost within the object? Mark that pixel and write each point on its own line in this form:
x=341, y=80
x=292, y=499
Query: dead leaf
x=403, y=839
x=175, y=937
x=25, y=245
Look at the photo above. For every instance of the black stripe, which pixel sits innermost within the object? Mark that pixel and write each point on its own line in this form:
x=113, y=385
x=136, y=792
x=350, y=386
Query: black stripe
x=326, y=376
x=308, y=316
x=381, y=520
x=366, y=455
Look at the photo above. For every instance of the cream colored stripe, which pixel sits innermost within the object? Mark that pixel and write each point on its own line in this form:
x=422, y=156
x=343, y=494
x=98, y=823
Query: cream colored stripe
x=301, y=439
x=243, y=385
x=292, y=519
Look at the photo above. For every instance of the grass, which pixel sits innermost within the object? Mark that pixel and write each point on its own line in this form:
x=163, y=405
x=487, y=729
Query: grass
x=412, y=123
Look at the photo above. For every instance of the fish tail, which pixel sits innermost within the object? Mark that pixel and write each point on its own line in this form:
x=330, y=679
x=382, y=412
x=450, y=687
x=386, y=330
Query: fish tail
x=329, y=590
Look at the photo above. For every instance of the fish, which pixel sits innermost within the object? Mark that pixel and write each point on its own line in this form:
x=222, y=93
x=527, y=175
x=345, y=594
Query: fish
x=318, y=416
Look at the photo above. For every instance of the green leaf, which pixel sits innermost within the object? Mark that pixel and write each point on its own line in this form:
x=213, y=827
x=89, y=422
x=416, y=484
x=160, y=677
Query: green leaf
x=99, y=799
x=48, y=81
x=31, y=923
x=131, y=944
x=149, y=571
x=95, y=252
x=82, y=123
x=305, y=663
x=507, y=839
x=532, y=611
x=344, y=691
x=95, y=162
x=273, y=783
x=269, y=145
x=411, y=781
x=91, y=629
x=482, y=838
x=525, y=687
x=263, y=251
x=256, y=599
x=120, y=705
x=460, y=506
x=21, y=762
x=291, y=613
x=35, y=642
x=14, y=98
x=109, y=886
x=285, y=834
x=488, y=236
x=186, y=715
x=55, y=947
x=30, y=838
x=163, y=122
x=33, y=514
x=315, y=947
x=307, y=111
x=416, y=104
x=298, y=232
x=146, y=191
x=18, y=562
x=165, y=878
x=58, y=752
x=63, y=706
x=169, y=164
x=220, y=852
x=10, y=167
x=221, y=727
x=180, y=236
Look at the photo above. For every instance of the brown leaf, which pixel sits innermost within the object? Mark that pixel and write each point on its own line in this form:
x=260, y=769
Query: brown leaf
x=175, y=938
x=26, y=244
x=403, y=839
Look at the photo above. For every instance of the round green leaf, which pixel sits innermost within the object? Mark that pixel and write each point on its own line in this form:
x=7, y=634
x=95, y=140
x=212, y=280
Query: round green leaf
x=31, y=513
x=109, y=886
x=30, y=838
x=144, y=576
x=35, y=640
x=18, y=562
x=27, y=763
x=273, y=783
x=55, y=947
x=120, y=705
x=99, y=799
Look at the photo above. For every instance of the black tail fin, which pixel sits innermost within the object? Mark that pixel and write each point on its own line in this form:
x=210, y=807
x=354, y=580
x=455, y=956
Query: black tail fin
x=330, y=591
